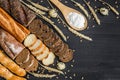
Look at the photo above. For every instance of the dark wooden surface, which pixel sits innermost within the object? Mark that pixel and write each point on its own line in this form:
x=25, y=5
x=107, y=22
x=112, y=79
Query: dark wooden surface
x=96, y=60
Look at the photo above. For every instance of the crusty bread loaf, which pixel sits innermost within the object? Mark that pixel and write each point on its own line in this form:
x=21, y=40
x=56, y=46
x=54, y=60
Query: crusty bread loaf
x=49, y=60
x=5, y=73
x=11, y=65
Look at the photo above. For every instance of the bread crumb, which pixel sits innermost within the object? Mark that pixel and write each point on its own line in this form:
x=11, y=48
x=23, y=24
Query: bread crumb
x=65, y=73
x=81, y=40
x=28, y=76
x=71, y=65
x=70, y=77
x=66, y=1
x=61, y=65
x=117, y=17
x=66, y=77
x=74, y=74
x=68, y=70
x=82, y=78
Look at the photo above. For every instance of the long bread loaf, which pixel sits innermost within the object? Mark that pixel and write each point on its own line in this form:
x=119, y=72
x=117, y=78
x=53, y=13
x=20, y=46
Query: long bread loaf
x=5, y=73
x=11, y=65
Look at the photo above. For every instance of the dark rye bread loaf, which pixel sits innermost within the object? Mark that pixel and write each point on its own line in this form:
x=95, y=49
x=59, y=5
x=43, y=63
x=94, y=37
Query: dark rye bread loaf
x=18, y=11
x=51, y=40
x=5, y=5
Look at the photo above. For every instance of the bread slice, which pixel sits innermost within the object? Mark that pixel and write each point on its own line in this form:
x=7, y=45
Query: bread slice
x=43, y=55
x=40, y=50
x=49, y=60
x=30, y=40
x=36, y=46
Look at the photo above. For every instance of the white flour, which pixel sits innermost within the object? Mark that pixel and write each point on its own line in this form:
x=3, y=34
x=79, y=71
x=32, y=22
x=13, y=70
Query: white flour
x=76, y=20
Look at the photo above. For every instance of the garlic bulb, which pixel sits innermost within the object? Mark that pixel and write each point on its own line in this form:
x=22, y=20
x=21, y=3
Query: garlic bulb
x=53, y=13
x=61, y=65
x=104, y=11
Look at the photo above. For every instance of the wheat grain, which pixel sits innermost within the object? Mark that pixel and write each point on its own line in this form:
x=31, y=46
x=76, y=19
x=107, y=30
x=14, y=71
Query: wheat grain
x=52, y=69
x=93, y=12
x=38, y=6
x=42, y=75
x=33, y=8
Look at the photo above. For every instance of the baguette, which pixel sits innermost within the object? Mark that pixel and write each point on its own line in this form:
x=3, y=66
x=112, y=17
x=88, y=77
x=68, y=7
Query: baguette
x=12, y=66
x=5, y=73
x=13, y=27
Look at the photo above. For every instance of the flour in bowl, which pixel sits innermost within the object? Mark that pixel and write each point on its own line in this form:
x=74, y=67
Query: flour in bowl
x=76, y=20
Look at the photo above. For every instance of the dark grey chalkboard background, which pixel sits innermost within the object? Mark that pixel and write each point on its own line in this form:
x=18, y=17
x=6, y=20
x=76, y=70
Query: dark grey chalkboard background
x=96, y=60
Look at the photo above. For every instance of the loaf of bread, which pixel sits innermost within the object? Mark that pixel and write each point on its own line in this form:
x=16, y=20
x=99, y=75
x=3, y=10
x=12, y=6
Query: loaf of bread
x=11, y=65
x=13, y=27
x=16, y=51
x=5, y=73
x=11, y=46
x=18, y=11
